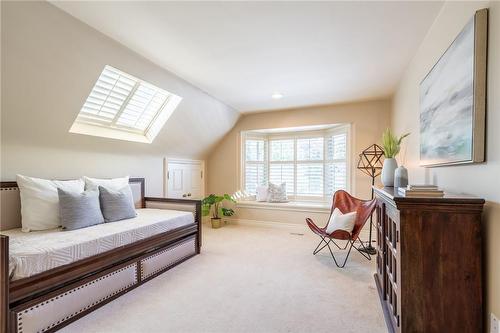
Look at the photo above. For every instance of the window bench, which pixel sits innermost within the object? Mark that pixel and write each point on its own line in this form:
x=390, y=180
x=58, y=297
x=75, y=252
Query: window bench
x=298, y=206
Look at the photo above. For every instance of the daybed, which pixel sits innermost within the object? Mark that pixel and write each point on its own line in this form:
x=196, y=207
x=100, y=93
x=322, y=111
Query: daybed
x=51, y=278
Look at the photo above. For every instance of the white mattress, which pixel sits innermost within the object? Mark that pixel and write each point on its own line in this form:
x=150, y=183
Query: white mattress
x=38, y=251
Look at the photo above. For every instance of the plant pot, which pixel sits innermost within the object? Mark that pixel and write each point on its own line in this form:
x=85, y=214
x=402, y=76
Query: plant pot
x=401, y=177
x=216, y=223
x=387, y=176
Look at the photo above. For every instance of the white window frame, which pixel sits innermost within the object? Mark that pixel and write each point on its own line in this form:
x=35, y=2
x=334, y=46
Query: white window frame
x=297, y=134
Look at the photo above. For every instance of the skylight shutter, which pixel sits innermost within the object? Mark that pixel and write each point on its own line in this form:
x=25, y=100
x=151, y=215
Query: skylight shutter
x=121, y=102
x=106, y=98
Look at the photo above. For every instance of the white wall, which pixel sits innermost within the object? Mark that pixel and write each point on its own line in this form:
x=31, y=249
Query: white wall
x=479, y=179
x=50, y=61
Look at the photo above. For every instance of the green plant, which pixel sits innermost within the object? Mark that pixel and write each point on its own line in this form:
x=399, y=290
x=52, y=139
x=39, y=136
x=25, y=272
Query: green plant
x=213, y=202
x=391, y=144
x=227, y=211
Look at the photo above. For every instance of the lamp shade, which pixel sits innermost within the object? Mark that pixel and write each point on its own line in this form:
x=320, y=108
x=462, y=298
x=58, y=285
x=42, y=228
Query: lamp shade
x=370, y=160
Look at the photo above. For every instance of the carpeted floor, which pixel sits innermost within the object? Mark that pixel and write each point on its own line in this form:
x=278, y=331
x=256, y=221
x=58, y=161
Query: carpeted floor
x=249, y=279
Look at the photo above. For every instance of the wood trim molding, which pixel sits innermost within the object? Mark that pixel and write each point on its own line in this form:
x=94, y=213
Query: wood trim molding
x=28, y=288
x=4, y=284
x=23, y=292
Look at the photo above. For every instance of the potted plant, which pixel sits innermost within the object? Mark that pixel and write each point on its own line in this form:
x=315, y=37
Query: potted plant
x=391, y=145
x=212, y=203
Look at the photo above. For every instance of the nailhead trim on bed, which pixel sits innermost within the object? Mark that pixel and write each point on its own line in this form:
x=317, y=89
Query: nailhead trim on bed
x=20, y=314
x=143, y=276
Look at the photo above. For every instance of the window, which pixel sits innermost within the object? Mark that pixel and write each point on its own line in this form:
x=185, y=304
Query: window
x=121, y=106
x=312, y=163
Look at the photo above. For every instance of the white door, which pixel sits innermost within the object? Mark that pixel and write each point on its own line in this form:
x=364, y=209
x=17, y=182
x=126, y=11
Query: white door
x=184, y=179
x=176, y=180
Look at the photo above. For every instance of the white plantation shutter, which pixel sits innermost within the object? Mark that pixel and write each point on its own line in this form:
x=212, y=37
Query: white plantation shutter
x=122, y=102
x=310, y=149
x=336, y=164
x=255, y=167
x=313, y=165
x=282, y=173
x=310, y=175
x=281, y=167
x=281, y=150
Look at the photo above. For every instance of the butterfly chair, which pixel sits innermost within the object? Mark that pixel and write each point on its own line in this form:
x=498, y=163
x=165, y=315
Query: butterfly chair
x=346, y=203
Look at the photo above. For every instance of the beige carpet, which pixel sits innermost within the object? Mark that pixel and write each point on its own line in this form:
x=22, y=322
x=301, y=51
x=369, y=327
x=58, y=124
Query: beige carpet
x=249, y=279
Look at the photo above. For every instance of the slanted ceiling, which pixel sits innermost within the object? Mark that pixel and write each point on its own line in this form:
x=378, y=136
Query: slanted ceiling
x=50, y=62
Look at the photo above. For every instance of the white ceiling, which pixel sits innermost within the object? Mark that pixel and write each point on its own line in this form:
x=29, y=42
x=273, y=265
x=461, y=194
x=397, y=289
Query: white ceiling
x=242, y=52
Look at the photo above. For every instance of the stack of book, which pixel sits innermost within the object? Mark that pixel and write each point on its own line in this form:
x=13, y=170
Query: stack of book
x=420, y=191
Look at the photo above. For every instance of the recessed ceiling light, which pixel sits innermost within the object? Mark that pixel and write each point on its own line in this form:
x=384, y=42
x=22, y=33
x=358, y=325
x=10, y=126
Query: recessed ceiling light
x=277, y=95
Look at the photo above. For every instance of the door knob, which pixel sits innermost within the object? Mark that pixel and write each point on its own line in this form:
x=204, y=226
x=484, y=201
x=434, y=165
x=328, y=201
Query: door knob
x=184, y=195
x=189, y=194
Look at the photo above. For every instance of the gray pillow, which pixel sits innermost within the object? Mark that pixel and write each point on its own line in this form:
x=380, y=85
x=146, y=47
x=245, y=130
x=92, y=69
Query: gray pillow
x=79, y=210
x=277, y=193
x=117, y=205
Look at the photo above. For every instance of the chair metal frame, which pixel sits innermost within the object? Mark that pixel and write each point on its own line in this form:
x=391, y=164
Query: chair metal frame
x=346, y=203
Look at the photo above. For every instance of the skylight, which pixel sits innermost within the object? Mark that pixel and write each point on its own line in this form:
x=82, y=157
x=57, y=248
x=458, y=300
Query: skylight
x=121, y=106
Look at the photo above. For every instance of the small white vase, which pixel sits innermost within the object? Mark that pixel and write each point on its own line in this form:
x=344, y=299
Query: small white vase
x=387, y=177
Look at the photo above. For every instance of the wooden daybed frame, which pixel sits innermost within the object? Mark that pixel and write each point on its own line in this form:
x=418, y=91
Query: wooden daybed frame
x=29, y=293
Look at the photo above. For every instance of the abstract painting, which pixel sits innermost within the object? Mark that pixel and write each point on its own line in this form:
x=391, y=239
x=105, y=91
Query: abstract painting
x=452, y=100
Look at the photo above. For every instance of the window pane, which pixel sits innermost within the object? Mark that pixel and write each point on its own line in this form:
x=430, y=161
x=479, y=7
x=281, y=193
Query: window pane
x=282, y=173
x=336, y=177
x=310, y=179
x=336, y=147
x=281, y=150
x=310, y=149
x=254, y=176
x=254, y=150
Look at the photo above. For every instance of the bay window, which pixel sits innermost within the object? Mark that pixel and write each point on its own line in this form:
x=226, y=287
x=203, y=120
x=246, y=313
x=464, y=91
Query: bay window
x=312, y=163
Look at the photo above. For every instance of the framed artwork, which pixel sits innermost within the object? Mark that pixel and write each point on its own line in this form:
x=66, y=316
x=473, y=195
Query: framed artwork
x=453, y=100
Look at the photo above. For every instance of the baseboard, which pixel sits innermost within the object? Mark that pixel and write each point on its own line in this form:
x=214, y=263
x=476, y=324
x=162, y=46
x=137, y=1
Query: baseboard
x=364, y=234
x=265, y=223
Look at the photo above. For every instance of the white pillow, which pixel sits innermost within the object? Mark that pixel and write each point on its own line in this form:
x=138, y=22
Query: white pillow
x=114, y=184
x=40, y=201
x=277, y=193
x=339, y=221
x=262, y=193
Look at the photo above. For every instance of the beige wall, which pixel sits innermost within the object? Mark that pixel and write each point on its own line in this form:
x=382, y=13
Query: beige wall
x=368, y=120
x=481, y=179
x=50, y=61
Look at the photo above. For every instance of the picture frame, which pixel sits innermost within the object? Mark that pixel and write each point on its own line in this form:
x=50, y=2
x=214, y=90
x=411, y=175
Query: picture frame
x=453, y=100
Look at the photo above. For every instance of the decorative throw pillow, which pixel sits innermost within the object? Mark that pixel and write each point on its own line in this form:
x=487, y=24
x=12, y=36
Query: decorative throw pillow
x=340, y=221
x=262, y=193
x=40, y=201
x=116, y=205
x=79, y=210
x=277, y=193
x=113, y=184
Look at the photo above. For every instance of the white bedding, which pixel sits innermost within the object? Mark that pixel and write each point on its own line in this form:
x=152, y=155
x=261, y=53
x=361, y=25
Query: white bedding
x=38, y=251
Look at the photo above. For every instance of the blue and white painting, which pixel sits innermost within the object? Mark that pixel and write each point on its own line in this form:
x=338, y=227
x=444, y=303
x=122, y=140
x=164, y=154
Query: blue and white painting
x=447, y=104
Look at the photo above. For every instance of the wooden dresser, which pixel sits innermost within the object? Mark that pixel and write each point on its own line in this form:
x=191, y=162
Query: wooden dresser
x=429, y=267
